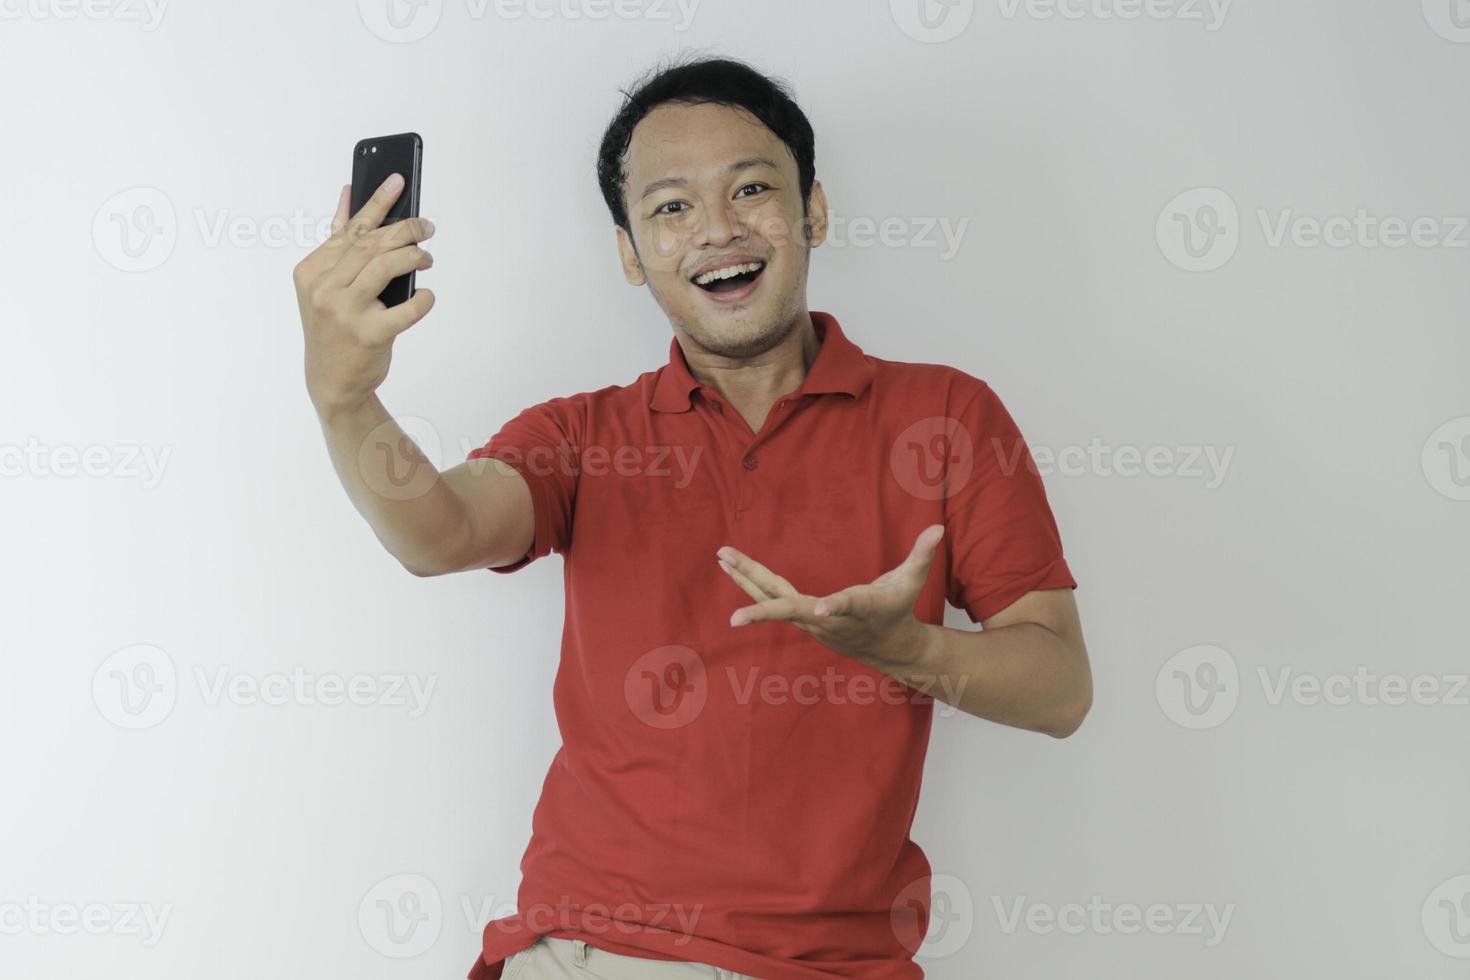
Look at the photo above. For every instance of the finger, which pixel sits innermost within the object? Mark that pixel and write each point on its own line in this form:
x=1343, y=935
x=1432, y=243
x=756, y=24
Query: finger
x=405, y=232
x=344, y=201
x=375, y=209
x=856, y=602
x=793, y=608
x=396, y=319
x=848, y=602
x=919, y=558
x=387, y=266
x=925, y=545
x=763, y=577
x=745, y=584
x=354, y=244
x=925, y=548
x=363, y=250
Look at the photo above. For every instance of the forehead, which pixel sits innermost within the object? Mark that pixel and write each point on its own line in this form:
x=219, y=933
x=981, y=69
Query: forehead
x=693, y=141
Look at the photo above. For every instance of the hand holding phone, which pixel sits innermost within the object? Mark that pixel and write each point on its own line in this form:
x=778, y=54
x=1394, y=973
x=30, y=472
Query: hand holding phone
x=349, y=327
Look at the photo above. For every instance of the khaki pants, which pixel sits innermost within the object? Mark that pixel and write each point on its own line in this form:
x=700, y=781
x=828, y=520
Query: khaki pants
x=551, y=958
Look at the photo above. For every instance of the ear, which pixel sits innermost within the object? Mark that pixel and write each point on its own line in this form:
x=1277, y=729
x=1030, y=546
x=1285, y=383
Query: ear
x=628, y=255
x=816, y=215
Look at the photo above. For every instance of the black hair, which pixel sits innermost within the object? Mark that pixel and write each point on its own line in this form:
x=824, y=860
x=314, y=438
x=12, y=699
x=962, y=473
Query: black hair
x=721, y=81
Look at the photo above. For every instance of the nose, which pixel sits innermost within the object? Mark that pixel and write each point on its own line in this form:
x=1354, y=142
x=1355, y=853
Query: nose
x=721, y=226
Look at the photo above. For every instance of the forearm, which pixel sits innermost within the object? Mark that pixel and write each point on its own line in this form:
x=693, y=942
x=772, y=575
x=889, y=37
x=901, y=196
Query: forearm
x=396, y=488
x=1023, y=675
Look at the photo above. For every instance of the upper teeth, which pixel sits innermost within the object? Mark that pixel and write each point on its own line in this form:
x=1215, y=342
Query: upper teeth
x=726, y=272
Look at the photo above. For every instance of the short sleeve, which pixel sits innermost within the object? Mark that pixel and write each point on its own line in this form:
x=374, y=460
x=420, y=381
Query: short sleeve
x=542, y=444
x=1003, y=539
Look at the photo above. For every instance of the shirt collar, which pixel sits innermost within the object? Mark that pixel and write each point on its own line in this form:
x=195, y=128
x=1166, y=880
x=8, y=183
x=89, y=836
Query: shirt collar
x=840, y=366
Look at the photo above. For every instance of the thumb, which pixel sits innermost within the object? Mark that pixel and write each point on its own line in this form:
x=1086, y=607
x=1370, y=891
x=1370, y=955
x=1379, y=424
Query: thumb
x=925, y=545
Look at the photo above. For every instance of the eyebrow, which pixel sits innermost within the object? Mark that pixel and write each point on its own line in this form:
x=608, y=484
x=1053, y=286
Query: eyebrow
x=732, y=169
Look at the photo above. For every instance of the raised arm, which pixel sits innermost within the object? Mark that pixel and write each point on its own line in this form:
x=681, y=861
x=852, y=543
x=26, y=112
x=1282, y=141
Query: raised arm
x=471, y=516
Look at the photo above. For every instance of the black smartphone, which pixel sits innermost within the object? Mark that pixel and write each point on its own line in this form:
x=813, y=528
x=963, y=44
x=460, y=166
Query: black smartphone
x=372, y=161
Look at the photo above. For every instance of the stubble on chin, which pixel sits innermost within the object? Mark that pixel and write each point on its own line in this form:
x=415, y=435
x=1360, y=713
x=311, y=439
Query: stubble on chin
x=739, y=338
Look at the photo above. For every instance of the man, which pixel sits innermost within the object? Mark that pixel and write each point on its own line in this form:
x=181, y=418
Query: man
x=758, y=540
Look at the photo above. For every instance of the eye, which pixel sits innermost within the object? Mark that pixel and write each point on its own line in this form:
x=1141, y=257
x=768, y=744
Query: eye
x=763, y=187
x=660, y=208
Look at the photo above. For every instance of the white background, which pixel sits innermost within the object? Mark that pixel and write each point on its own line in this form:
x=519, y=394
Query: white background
x=1332, y=834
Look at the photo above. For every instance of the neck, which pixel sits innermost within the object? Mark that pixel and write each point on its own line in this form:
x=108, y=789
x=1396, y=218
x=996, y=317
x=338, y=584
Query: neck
x=761, y=378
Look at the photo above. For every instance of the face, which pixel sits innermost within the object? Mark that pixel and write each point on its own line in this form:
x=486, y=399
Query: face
x=710, y=187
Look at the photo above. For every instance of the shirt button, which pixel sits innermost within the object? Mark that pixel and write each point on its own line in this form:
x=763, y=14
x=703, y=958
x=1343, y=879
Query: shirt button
x=748, y=462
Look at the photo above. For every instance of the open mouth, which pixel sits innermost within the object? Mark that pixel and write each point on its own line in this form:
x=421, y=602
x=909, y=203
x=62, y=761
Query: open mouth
x=732, y=280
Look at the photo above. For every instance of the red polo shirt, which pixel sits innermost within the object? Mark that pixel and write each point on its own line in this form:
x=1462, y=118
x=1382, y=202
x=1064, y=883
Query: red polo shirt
x=743, y=796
